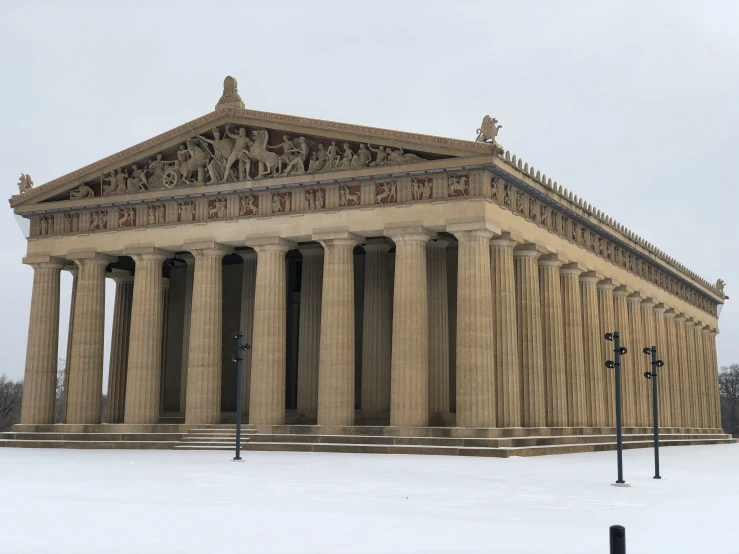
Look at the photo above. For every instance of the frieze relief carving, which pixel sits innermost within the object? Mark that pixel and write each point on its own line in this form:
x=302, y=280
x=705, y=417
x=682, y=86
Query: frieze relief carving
x=126, y=217
x=459, y=185
x=71, y=223
x=282, y=202
x=422, y=188
x=99, y=220
x=349, y=195
x=249, y=205
x=315, y=198
x=217, y=208
x=156, y=214
x=386, y=193
x=186, y=211
x=46, y=225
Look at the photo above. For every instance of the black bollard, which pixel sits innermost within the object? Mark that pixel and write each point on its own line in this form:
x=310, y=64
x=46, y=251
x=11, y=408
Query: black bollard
x=618, y=539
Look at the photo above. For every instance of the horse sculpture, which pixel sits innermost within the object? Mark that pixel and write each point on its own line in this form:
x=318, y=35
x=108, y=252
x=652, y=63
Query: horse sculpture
x=269, y=162
x=195, y=163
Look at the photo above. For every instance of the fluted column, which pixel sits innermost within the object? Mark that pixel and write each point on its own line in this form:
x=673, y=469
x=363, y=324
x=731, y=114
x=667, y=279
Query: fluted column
x=663, y=380
x=592, y=351
x=574, y=353
x=690, y=374
x=648, y=339
x=204, y=353
x=635, y=409
x=671, y=370
x=438, y=337
x=74, y=270
x=165, y=326
x=552, y=338
x=86, y=367
x=377, y=330
x=309, y=334
x=119, y=344
x=39, y=382
x=682, y=372
x=505, y=335
x=707, y=378
x=713, y=389
x=143, y=379
x=409, y=367
x=700, y=376
x=528, y=313
x=336, y=355
x=606, y=317
x=621, y=318
x=248, y=284
x=189, y=277
x=269, y=345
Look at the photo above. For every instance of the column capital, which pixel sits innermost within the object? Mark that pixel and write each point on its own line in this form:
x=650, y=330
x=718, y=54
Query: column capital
x=90, y=257
x=440, y=242
x=457, y=226
x=591, y=277
x=660, y=309
x=507, y=238
x=680, y=318
x=336, y=237
x=670, y=313
x=120, y=276
x=648, y=303
x=573, y=269
x=635, y=298
x=207, y=247
x=376, y=244
x=310, y=249
x=697, y=325
x=409, y=232
x=552, y=260
x=247, y=254
x=606, y=284
x=529, y=250
x=49, y=262
x=146, y=253
x=621, y=291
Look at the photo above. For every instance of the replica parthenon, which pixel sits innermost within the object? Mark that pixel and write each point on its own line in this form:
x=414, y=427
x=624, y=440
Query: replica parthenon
x=381, y=277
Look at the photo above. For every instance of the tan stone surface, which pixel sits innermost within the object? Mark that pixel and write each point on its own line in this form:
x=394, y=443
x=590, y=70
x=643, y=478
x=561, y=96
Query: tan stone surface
x=336, y=355
x=409, y=368
x=528, y=312
x=595, y=372
x=189, y=278
x=269, y=355
x=577, y=413
x=648, y=340
x=505, y=333
x=663, y=382
x=39, y=386
x=74, y=270
x=310, y=329
x=203, y=403
x=438, y=336
x=248, y=286
x=635, y=412
x=606, y=318
x=119, y=344
x=143, y=381
x=691, y=374
x=686, y=415
x=86, y=367
x=713, y=381
x=700, y=377
x=553, y=341
x=621, y=320
x=671, y=370
x=475, y=364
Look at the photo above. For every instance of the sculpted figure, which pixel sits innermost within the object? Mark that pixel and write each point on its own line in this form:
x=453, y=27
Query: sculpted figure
x=276, y=204
x=457, y=184
x=83, y=191
x=332, y=157
x=246, y=205
x=127, y=217
x=421, y=191
x=388, y=194
x=195, y=162
x=399, y=157
x=112, y=188
x=488, y=130
x=318, y=160
x=156, y=167
x=347, y=197
x=320, y=199
x=241, y=146
x=268, y=161
x=300, y=153
x=24, y=183
x=720, y=286
x=362, y=158
x=186, y=211
x=346, y=157
x=287, y=151
x=137, y=181
x=381, y=158
x=309, y=199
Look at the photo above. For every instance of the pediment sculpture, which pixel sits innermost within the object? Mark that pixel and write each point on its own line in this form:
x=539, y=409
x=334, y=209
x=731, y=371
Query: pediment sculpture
x=234, y=154
x=24, y=183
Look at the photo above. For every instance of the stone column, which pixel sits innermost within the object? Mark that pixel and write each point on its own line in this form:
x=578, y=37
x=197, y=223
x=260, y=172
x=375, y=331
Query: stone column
x=409, y=367
x=670, y=374
x=607, y=324
x=553, y=353
x=336, y=355
x=574, y=354
x=74, y=270
x=86, y=367
x=663, y=383
x=681, y=370
x=621, y=324
x=310, y=329
x=165, y=325
x=248, y=283
x=438, y=337
x=377, y=328
x=690, y=374
x=648, y=339
x=505, y=336
x=634, y=412
x=203, y=404
x=528, y=313
x=143, y=381
x=189, y=277
x=700, y=377
x=475, y=370
x=269, y=345
x=119, y=343
x=713, y=390
x=39, y=382
x=595, y=382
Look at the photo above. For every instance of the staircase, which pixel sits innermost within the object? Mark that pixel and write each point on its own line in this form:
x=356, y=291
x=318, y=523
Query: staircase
x=215, y=437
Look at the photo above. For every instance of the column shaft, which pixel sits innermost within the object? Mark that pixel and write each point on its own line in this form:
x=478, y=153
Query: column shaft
x=143, y=379
x=39, y=383
x=309, y=334
x=595, y=382
x=606, y=318
x=248, y=284
x=475, y=364
x=621, y=319
x=670, y=373
x=635, y=409
x=553, y=321
x=648, y=340
x=663, y=384
x=713, y=376
x=377, y=329
x=119, y=344
x=86, y=370
x=438, y=336
x=528, y=313
x=189, y=278
x=74, y=270
x=336, y=356
x=203, y=405
x=507, y=382
x=690, y=374
x=681, y=373
x=700, y=379
x=577, y=410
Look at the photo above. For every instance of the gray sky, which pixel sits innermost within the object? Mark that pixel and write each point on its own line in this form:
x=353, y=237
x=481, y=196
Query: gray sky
x=631, y=105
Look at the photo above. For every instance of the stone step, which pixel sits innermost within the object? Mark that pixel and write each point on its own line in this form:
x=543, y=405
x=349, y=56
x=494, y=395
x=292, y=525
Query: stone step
x=105, y=437
x=90, y=444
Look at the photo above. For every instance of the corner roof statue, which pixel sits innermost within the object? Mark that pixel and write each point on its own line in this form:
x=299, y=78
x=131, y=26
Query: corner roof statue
x=25, y=183
x=488, y=130
x=230, y=97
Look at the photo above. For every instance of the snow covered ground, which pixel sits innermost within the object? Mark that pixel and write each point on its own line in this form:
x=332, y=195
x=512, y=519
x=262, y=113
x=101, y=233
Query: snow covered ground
x=80, y=501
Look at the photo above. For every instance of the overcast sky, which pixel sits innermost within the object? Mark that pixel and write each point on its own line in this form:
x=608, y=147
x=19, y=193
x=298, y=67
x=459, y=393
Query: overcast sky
x=631, y=105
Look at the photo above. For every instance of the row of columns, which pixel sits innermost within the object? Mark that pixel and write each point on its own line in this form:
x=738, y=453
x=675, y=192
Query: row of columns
x=529, y=328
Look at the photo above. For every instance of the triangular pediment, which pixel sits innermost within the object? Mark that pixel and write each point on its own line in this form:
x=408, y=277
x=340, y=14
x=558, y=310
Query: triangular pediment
x=232, y=145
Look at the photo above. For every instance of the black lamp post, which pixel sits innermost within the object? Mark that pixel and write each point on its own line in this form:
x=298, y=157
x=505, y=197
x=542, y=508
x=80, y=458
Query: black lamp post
x=238, y=359
x=655, y=405
x=618, y=351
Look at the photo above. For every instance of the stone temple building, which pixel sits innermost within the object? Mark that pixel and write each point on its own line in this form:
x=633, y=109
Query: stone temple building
x=406, y=284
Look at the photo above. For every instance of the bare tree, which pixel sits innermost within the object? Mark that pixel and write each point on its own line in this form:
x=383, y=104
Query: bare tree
x=11, y=395
x=728, y=384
